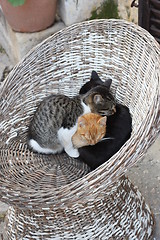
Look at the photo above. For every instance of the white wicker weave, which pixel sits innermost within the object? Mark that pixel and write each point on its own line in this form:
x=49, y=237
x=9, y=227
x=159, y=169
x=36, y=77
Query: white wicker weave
x=56, y=197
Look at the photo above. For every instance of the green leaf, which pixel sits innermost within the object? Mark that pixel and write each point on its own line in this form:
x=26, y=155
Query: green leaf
x=16, y=3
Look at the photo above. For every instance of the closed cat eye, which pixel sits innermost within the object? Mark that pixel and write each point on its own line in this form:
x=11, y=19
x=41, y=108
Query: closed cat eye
x=114, y=109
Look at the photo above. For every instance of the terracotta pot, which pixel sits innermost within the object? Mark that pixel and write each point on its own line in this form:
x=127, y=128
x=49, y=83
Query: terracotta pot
x=32, y=16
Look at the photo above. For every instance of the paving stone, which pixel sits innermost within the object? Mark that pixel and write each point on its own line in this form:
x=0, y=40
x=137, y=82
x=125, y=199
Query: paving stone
x=146, y=176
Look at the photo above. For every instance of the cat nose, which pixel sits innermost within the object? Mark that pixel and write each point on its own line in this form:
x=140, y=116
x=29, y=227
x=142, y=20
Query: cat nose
x=114, y=109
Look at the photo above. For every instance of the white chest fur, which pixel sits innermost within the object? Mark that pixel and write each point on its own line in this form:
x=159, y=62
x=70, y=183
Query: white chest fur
x=85, y=108
x=65, y=138
x=65, y=135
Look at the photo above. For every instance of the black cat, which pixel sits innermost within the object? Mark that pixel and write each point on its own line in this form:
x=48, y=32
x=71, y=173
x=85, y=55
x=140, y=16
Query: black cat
x=118, y=131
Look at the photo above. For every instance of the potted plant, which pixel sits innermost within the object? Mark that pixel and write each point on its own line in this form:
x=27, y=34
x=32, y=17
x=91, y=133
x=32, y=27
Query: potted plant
x=29, y=15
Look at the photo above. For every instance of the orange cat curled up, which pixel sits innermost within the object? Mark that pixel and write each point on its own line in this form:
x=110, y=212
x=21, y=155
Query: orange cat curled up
x=90, y=130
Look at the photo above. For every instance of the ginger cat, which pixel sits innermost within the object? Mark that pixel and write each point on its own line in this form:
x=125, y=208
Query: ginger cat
x=90, y=130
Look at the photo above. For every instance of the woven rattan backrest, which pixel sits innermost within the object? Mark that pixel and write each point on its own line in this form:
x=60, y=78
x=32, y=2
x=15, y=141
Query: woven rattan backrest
x=62, y=63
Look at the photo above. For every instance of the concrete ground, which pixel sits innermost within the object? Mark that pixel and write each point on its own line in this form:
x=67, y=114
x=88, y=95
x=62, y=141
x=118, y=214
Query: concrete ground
x=146, y=176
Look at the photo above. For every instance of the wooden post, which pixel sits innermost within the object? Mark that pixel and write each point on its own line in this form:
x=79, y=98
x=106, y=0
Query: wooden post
x=144, y=14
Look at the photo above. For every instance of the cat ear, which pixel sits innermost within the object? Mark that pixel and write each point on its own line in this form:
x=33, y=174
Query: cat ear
x=95, y=77
x=97, y=98
x=102, y=121
x=81, y=122
x=107, y=83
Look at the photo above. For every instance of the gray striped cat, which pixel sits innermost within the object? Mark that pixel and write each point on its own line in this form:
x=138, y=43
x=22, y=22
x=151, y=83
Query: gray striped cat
x=55, y=120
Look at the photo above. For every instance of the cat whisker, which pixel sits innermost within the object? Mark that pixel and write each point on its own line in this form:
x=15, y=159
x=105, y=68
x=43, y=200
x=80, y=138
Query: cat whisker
x=106, y=139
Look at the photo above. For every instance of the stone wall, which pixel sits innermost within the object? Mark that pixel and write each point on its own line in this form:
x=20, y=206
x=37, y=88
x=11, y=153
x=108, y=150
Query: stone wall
x=73, y=11
x=69, y=12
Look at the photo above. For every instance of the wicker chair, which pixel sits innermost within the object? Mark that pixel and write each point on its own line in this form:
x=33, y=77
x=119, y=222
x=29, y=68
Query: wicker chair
x=55, y=196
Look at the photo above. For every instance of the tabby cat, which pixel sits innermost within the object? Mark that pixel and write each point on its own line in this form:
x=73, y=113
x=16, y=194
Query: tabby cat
x=55, y=120
x=119, y=128
x=90, y=130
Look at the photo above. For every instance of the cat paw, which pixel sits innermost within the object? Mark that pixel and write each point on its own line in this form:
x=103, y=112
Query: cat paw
x=72, y=153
